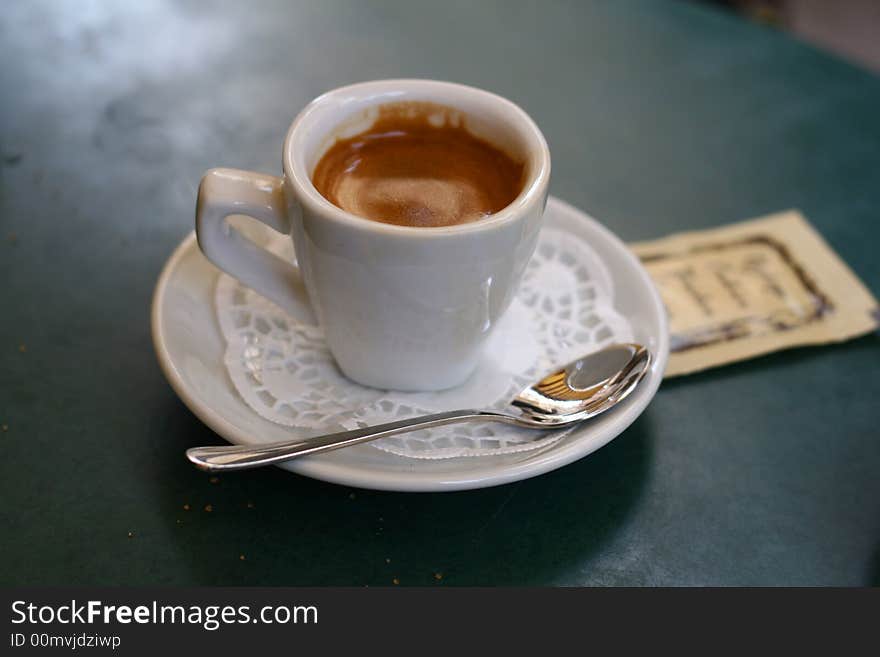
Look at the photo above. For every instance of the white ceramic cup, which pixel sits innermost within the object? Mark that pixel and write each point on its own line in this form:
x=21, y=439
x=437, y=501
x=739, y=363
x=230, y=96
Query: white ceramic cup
x=401, y=307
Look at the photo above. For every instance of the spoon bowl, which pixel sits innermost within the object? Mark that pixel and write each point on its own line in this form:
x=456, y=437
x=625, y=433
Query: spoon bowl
x=585, y=387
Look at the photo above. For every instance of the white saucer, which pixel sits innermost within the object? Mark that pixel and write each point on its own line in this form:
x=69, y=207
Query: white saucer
x=190, y=349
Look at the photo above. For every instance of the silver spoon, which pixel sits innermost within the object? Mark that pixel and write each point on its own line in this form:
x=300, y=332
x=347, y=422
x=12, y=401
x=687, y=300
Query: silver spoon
x=580, y=390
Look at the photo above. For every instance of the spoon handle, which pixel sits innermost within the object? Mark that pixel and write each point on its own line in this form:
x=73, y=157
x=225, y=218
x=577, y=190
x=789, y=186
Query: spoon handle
x=237, y=457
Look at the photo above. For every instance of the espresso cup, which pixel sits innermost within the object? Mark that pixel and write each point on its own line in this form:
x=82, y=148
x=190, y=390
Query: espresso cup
x=401, y=307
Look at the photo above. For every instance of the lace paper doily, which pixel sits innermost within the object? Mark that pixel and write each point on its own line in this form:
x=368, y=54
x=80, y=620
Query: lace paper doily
x=285, y=373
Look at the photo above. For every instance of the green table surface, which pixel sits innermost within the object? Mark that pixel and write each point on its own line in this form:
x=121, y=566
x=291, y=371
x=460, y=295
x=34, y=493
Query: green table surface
x=661, y=116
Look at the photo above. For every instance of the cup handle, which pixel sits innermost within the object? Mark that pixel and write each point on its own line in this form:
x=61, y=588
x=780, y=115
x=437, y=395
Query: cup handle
x=225, y=192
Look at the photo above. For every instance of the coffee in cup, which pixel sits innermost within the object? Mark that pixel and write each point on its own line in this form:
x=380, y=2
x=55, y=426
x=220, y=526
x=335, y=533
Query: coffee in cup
x=418, y=165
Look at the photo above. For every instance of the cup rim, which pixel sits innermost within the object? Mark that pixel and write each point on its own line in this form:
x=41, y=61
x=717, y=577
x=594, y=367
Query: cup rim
x=308, y=195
